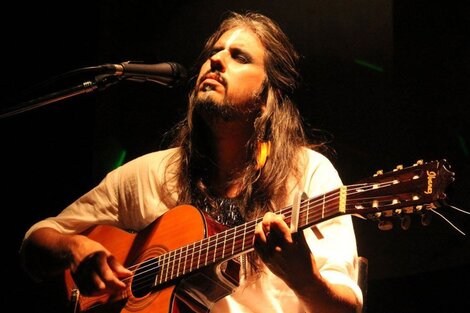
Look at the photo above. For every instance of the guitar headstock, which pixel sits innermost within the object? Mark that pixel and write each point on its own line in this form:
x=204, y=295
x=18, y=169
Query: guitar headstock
x=401, y=192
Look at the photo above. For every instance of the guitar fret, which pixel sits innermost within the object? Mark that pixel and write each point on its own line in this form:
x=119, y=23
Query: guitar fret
x=162, y=268
x=342, y=199
x=215, y=246
x=177, y=262
x=177, y=259
x=243, y=241
x=173, y=269
x=168, y=273
x=185, y=267
x=165, y=268
x=155, y=282
x=180, y=259
x=234, y=237
x=306, y=216
x=184, y=256
x=167, y=265
x=223, y=246
x=192, y=254
x=158, y=278
x=183, y=271
x=172, y=275
x=207, y=250
x=199, y=256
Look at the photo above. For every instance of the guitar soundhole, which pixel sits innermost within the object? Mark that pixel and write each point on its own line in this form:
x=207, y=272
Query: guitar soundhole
x=145, y=277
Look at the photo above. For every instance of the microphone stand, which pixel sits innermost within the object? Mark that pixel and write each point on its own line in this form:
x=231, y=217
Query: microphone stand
x=99, y=83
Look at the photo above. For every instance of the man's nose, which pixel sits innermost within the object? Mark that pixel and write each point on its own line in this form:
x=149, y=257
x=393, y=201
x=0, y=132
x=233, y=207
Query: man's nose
x=218, y=61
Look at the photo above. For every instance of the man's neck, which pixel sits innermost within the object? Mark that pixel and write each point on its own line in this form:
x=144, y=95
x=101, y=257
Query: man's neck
x=230, y=141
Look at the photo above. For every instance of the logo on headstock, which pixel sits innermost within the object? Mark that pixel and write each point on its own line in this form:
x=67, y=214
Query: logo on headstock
x=431, y=175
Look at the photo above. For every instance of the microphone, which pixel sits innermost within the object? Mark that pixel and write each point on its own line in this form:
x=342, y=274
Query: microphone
x=169, y=74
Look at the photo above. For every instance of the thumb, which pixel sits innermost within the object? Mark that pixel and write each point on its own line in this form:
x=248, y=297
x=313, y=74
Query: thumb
x=117, y=267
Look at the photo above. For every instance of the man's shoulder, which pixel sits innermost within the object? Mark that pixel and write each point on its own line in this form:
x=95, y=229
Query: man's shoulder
x=158, y=155
x=320, y=173
x=315, y=158
x=152, y=159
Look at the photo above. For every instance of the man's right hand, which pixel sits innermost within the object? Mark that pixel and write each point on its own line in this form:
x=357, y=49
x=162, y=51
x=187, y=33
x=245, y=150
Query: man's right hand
x=100, y=273
x=94, y=269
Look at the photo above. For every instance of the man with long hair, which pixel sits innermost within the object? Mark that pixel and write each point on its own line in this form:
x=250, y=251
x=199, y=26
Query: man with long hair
x=240, y=155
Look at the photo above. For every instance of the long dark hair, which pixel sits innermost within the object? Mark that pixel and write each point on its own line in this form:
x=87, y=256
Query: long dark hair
x=261, y=190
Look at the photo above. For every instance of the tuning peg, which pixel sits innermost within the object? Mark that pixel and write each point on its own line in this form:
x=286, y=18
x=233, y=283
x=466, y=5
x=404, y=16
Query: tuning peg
x=385, y=225
x=399, y=167
x=419, y=162
x=405, y=222
x=379, y=172
x=426, y=219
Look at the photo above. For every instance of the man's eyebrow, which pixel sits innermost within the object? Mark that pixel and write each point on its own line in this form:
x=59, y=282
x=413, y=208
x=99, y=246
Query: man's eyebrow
x=234, y=45
x=233, y=48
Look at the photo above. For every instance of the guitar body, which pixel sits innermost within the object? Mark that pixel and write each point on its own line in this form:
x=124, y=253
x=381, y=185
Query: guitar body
x=178, y=227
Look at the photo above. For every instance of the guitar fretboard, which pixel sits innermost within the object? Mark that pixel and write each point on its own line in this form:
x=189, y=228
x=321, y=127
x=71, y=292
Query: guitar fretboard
x=238, y=240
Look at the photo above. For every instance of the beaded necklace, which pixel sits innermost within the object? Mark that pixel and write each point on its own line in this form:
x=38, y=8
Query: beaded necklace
x=225, y=211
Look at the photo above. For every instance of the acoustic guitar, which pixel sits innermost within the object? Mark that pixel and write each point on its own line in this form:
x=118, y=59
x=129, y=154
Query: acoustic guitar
x=185, y=261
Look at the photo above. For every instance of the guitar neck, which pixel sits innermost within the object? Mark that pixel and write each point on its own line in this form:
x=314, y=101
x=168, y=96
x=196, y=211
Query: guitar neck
x=239, y=240
x=419, y=186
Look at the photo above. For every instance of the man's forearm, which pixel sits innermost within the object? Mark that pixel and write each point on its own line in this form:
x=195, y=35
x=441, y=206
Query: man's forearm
x=45, y=253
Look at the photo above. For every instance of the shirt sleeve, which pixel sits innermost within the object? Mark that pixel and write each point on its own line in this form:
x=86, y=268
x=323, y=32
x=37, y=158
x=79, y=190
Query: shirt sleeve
x=129, y=197
x=333, y=242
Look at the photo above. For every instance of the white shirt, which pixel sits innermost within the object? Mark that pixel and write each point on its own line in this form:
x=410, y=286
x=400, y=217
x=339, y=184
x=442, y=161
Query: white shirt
x=133, y=196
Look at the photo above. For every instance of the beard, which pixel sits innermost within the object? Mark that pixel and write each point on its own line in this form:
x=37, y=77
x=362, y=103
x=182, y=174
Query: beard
x=227, y=110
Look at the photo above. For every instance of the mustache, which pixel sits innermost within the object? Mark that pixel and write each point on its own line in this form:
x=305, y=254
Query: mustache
x=213, y=75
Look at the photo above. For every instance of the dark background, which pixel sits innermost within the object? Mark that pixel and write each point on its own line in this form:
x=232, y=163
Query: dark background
x=387, y=79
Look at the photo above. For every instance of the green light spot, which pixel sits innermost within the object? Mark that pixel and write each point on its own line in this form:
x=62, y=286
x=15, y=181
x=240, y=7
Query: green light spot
x=122, y=157
x=463, y=145
x=369, y=65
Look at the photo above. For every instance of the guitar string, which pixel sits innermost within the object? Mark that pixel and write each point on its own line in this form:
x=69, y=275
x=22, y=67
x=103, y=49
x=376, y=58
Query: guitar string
x=204, y=247
x=205, y=244
x=309, y=202
x=141, y=280
x=286, y=209
x=188, y=252
x=447, y=220
x=456, y=208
